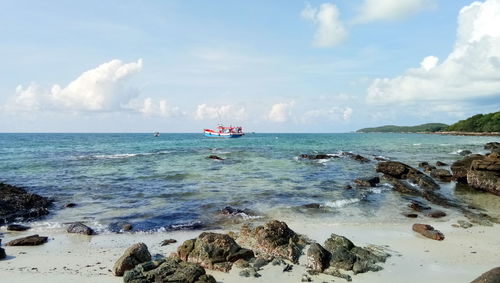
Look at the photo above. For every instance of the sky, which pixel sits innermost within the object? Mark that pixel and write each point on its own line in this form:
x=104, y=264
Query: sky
x=269, y=66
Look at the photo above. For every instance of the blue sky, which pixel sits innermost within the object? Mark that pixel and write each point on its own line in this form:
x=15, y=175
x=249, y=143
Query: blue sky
x=270, y=66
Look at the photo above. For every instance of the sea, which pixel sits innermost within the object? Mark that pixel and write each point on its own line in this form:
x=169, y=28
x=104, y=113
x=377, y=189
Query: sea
x=168, y=182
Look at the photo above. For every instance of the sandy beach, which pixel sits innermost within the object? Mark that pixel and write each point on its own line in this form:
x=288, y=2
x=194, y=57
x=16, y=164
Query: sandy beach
x=461, y=257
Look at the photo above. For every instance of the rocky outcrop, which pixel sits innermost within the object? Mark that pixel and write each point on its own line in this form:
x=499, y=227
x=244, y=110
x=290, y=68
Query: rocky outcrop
x=317, y=156
x=17, y=203
x=2, y=251
x=340, y=253
x=215, y=157
x=493, y=147
x=168, y=242
x=356, y=157
x=484, y=174
x=440, y=163
x=400, y=170
x=80, y=228
x=168, y=270
x=460, y=168
x=213, y=251
x=428, y=231
x=367, y=182
x=274, y=239
x=441, y=174
x=17, y=227
x=491, y=276
x=134, y=255
x=33, y=240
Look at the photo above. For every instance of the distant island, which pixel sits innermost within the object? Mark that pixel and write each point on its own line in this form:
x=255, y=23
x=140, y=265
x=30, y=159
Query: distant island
x=476, y=125
x=429, y=127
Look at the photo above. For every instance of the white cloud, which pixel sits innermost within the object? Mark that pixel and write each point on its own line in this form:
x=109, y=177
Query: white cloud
x=329, y=29
x=471, y=70
x=333, y=113
x=281, y=112
x=226, y=113
x=373, y=10
x=101, y=89
x=159, y=109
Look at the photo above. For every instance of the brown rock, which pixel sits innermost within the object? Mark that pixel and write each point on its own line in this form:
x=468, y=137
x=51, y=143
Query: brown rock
x=167, y=242
x=17, y=227
x=33, y=240
x=460, y=168
x=215, y=157
x=273, y=239
x=441, y=174
x=134, y=255
x=418, y=206
x=80, y=228
x=367, y=182
x=439, y=163
x=213, y=251
x=410, y=215
x=428, y=231
x=436, y=214
x=491, y=276
x=400, y=170
x=484, y=174
x=317, y=258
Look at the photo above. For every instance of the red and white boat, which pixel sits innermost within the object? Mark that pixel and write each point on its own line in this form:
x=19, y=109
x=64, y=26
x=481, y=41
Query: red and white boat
x=224, y=132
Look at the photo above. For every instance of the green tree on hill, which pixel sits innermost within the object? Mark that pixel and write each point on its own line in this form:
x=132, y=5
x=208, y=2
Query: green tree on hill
x=478, y=123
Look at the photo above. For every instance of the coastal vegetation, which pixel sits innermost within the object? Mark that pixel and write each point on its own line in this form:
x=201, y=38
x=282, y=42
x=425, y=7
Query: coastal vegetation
x=429, y=127
x=478, y=123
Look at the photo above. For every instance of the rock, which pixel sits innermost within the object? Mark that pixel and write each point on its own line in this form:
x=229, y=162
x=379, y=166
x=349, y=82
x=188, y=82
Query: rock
x=230, y=211
x=120, y=226
x=335, y=272
x=345, y=255
x=410, y=215
x=367, y=182
x=17, y=203
x=484, y=174
x=80, y=228
x=312, y=205
x=33, y=240
x=287, y=268
x=17, y=227
x=356, y=157
x=436, y=214
x=134, y=255
x=213, y=251
x=70, y=205
x=167, y=270
x=167, y=242
x=347, y=187
x=215, y=157
x=491, y=276
x=241, y=263
x=464, y=224
x=317, y=156
x=317, y=258
x=380, y=158
x=400, y=170
x=464, y=152
x=418, y=206
x=249, y=272
x=2, y=251
x=459, y=168
x=493, y=146
x=127, y=227
x=260, y=262
x=423, y=164
x=273, y=239
x=428, y=231
x=306, y=278
x=429, y=168
x=441, y=174
x=439, y=163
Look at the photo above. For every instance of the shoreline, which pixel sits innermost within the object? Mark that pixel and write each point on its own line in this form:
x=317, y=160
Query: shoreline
x=460, y=257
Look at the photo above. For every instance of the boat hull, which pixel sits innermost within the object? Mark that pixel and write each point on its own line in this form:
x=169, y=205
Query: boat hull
x=223, y=135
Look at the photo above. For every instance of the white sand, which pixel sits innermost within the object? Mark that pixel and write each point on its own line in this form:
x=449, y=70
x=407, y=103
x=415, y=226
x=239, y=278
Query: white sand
x=461, y=257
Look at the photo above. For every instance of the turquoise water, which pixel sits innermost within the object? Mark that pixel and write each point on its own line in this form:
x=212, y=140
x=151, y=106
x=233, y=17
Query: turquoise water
x=167, y=182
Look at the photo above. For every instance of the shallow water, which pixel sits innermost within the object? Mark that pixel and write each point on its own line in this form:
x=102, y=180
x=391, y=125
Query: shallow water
x=167, y=182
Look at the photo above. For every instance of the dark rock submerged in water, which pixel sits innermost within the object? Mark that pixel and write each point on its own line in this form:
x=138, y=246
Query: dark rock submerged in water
x=17, y=203
x=33, y=240
x=428, y=231
x=493, y=146
x=2, y=251
x=215, y=157
x=273, y=239
x=441, y=174
x=491, y=276
x=17, y=227
x=367, y=182
x=400, y=170
x=213, y=251
x=80, y=228
x=134, y=255
x=168, y=270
